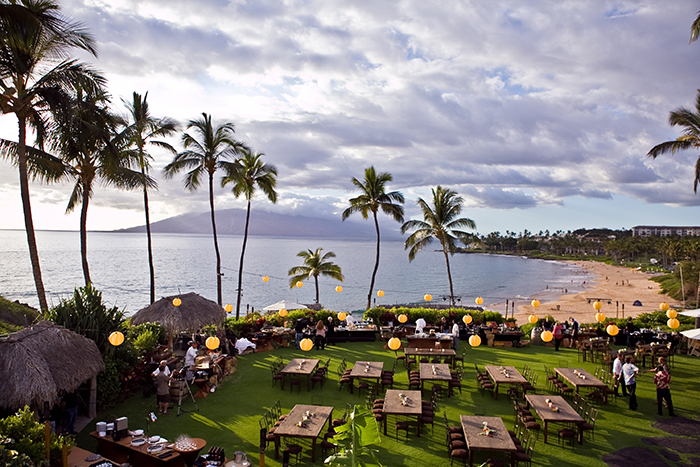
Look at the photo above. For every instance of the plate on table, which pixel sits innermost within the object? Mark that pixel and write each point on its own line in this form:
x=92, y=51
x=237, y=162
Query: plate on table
x=154, y=439
x=155, y=448
x=137, y=433
x=138, y=442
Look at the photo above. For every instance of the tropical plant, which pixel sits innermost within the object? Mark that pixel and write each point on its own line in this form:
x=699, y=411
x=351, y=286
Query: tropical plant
x=83, y=137
x=315, y=264
x=372, y=198
x=247, y=173
x=142, y=129
x=695, y=29
x=34, y=76
x=353, y=438
x=205, y=153
x=23, y=434
x=441, y=221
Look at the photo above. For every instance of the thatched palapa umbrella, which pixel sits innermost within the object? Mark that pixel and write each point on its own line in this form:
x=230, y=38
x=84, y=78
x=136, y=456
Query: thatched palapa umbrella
x=192, y=314
x=42, y=361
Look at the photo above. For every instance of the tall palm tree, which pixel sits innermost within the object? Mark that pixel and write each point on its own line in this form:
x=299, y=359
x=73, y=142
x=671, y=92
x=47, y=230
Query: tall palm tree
x=441, y=221
x=142, y=129
x=247, y=173
x=35, y=39
x=315, y=264
x=205, y=153
x=83, y=138
x=695, y=29
x=372, y=198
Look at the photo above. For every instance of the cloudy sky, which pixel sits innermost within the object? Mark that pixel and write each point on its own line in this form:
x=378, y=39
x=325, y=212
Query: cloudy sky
x=538, y=113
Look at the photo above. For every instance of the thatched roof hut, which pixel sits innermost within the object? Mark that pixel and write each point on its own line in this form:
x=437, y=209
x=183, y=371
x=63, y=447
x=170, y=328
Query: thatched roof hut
x=192, y=314
x=40, y=362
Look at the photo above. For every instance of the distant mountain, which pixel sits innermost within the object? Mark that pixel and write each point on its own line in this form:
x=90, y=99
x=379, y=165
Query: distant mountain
x=264, y=223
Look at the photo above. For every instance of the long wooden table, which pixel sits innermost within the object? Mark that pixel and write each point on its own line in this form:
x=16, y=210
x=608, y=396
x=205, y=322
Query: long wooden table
x=583, y=379
x=316, y=420
x=77, y=456
x=505, y=375
x=393, y=405
x=300, y=367
x=566, y=413
x=367, y=370
x=430, y=352
x=499, y=441
x=122, y=451
x=435, y=372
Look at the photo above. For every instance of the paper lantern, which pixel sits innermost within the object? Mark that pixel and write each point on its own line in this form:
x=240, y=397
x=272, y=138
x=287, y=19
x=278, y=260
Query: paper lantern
x=547, y=336
x=475, y=341
x=306, y=344
x=283, y=312
x=467, y=319
x=265, y=278
x=177, y=302
x=394, y=343
x=671, y=314
x=479, y=300
x=663, y=306
x=338, y=288
x=600, y=317
x=342, y=315
x=533, y=318
x=300, y=284
x=380, y=293
x=228, y=308
x=212, y=343
x=612, y=330
x=428, y=297
x=403, y=318
x=673, y=323
x=116, y=338
x=535, y=303
x=597, y=305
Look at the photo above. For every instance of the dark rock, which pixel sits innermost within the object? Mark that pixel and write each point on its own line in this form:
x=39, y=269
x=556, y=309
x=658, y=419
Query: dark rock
x=634, y=457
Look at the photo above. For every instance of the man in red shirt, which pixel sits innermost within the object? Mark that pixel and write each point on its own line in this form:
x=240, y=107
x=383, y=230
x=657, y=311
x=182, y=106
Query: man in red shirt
x=662, y=378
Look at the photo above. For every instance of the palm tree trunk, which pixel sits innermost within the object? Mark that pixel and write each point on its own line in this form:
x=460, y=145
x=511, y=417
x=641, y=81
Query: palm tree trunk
x=316, y=281
x=83, y=233
x=148, y=235
x=449, y=276
x=240, y=265
x=376, y=264
x=27, y=209
x=216, y=242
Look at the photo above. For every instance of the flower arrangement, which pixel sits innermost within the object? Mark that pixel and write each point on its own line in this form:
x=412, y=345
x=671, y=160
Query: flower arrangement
x=486, y=431
x=551, y=405
x=403, y=398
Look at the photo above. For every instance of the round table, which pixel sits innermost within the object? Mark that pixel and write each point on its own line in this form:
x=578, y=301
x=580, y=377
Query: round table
x=190, y=455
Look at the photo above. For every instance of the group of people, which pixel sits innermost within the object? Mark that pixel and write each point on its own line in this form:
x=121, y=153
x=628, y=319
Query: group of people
x=324, y=332
x=557, y=328
x=626, y=376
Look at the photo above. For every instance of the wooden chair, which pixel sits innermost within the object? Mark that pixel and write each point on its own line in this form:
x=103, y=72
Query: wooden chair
x=589, y=424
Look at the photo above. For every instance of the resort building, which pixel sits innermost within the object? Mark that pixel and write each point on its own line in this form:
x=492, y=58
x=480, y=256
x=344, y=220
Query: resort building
x=664, y=231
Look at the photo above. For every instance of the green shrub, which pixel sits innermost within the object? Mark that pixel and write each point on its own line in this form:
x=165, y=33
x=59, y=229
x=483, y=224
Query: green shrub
x=146, y=342
x=26, y=436
x=432, y=315
x=156, y=329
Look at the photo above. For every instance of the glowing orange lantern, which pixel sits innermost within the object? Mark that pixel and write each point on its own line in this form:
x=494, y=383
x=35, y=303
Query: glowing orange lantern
x=663, y=306
x=533, y=318
x=671, y=314
x=547, y=336
x=597, y=305
x=300, y=284
x=228, y=308
x=535, y=303
x=673, y=323
x=428, y=297
x=283, y=312
x=265, y=278
x=394, y=343
x=600, y=317
x=116, y=338
x=478, y=300
x=612, y=330
x=177, y=302
x=475, y=341
x=306, y=344
x=380, y=293
x=403, y=318
x=212, y=343
x=338, y=288
x=342, y=315
x=467, y=319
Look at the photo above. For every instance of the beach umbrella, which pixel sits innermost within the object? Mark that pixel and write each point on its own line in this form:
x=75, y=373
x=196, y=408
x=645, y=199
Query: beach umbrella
x=692, y=334
x=286, y=304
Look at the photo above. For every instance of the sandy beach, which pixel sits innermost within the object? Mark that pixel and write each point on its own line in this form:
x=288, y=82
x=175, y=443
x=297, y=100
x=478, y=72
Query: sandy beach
x=615, y=284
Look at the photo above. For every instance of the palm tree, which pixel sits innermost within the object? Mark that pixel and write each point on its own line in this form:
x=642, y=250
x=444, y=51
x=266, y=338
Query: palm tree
x=374, y=197
x=141, y=131
x=246, y=173
x=204, y=154
x=83, y=138
x=695, y=29
x=441, y=221
x=315, y=264
x=689, y=121
x=34, y=41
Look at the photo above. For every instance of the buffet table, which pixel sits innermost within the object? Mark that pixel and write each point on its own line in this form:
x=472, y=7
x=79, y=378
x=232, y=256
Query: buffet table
x=427, y=341
x=123, y=451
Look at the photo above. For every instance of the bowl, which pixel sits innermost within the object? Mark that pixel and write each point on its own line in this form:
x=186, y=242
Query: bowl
x=154, y=439
x=137, y=433
x=138, y=442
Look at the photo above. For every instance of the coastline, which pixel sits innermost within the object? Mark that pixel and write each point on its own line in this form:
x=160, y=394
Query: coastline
x=619, y=285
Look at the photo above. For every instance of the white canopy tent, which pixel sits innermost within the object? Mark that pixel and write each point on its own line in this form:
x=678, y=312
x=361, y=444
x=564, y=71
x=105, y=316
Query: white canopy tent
x=692, y=313
x=692, y=334
x=286, y=304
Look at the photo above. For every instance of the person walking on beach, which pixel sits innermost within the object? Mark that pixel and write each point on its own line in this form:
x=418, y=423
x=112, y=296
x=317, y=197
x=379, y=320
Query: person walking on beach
x=617, y=374
x=630, y=372
x=558, y=335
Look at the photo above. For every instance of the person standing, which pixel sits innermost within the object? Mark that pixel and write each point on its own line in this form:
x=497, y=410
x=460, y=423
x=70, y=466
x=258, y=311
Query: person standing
x=420, y=325
x=629, y=373
x=574, y=331
x=558, y=335
x=330, y=332
x=445, y=328
x=617, y=374
x=320, y=335
x=299, y=330
x=70, y=401
x=190, y=358
x=455, y=335
x=662, y=378
x=163, y=389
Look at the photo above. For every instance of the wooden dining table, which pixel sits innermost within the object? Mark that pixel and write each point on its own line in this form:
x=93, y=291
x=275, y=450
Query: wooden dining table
x=499, y=441
x=564, y=414
x=367, y=370
x=393, y=405
x=316, y=419
x=508, y=375
x=439, y=372
x=300, y=367
x=582, y=379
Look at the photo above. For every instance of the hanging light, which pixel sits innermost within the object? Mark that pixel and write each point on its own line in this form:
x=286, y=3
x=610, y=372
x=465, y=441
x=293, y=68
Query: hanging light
x=380, y=293
x=228, y=308
x=547, y=336
x=342, y=315
x=338, y=288
x=283, y=312
x=177, y=301
x=475, y=341
x=212, y=343
x=265, y=278
x=300, y=284
x=535, y=303
x=394, y=343
x=600, y=317
x=663, y=306
x=403, y=318
x=116, y=338
x=597, y=305
x=478, y=300
x=533, y=318
x=306, y=344
x=612, y=330
x=467, y=319
x=427, y=297
x=673, y=323
x=671, y=314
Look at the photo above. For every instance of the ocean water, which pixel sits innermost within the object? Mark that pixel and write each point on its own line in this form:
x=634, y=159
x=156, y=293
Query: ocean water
x=186, y=263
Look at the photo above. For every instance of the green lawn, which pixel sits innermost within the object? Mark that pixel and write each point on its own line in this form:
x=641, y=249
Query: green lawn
x=229, y=417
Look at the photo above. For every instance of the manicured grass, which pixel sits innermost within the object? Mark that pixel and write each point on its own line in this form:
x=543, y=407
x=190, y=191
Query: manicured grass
x=229, y=417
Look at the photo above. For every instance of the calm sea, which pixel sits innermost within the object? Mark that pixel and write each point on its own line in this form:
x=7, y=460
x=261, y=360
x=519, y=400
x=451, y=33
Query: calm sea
x=186, y=263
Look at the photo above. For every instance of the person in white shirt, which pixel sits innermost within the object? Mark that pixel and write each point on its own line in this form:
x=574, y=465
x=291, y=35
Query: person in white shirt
x=420, y=324
x=617, y=374
x=166, y=371
x=191, y=354
x=455, y=335
x=349, y=320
